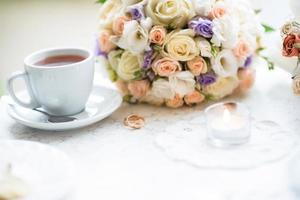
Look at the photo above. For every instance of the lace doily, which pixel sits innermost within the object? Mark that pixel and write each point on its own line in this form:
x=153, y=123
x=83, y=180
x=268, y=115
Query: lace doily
x=187, y=142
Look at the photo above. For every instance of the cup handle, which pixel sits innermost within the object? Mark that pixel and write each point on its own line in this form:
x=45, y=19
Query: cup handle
x=32, y=102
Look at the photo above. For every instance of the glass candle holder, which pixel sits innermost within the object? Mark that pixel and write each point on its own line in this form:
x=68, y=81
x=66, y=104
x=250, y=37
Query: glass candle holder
x=228, y=124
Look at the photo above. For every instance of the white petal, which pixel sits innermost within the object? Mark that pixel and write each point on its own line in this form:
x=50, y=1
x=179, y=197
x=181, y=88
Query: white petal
x=225, y=64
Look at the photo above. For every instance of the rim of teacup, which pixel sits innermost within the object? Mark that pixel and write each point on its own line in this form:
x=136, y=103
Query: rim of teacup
x=28, y=60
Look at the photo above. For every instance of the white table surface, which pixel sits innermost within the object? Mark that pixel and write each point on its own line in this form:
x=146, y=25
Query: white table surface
x=116, y=163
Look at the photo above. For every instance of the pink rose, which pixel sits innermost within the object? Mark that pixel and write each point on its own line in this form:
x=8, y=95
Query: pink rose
x=157, y=35
x=118, y=24
x=242, y=49
x=122, y=87
x=176, y=102
x=194, y=97
x=105, y=44
x=289, y=49
x=166, y=66
x=247, y=79
x=217, y=13
x=139, y=88
x=197, y=66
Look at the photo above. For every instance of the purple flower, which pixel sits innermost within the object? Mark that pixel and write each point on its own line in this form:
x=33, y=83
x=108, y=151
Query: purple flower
x=248, y=61
x=147, y=59
x=97, y=50
x=202, y=27
x=206, y=79
x=137, y=12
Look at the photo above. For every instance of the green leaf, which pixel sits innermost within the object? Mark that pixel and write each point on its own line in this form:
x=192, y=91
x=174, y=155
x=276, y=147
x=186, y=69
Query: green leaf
x=156, y=48
x=130, y=99
x=257, y=11
x=138, y=75
x=127, y=98
x=100, y=1
x=268, y=29
x=271, y=64
x=260, y=49
x=210, y=97
x=112, y=75
x=214, y=51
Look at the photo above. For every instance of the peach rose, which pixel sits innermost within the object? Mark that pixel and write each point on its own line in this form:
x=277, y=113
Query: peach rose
x=194, y=97
x=157, y=35
x=289, y=49
x=217, y=13
x=247, y=78
x=118, y=24
x=105, y=44
x=122, y=87
x=197, y=66
x=242, y=49
x=176, y=102
x=139, y=88
x=166, y=66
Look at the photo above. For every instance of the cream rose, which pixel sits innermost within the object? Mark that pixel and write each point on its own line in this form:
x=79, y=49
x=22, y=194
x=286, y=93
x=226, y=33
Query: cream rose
x=182, y=82
x=114, y=58
x=173, y=13
x=203, y=7
x=152, y=99
x=129, y=66
x=176, y=102
x=296, y=85
x=205, y=47
x=180, y=45
x=225, y=64
x=165, y=66
x=194, y=97
x=131, y=2
x=222, y=87
x=135, y=36
x=197, y=66
x=290, y=27
x=107, y=13
x=162, y=88
x=139, y=89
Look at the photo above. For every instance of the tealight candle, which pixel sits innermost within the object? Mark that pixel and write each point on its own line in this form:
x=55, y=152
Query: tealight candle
x=228, y=124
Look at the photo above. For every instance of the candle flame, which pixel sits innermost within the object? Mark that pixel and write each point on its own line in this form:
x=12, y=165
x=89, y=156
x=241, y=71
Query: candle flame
x=226, y=116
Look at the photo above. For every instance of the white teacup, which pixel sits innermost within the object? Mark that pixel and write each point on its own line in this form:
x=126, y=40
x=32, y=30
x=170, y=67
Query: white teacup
x=55, y=82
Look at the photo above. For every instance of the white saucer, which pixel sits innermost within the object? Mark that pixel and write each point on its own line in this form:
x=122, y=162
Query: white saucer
x=102, y=102
x=46, y=172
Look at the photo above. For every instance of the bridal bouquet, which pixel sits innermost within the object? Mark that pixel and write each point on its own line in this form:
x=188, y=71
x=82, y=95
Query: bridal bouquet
x=177, y=52
x=290, y=33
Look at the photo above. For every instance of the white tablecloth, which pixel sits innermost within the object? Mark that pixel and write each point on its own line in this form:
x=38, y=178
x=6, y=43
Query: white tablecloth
x=116, y=163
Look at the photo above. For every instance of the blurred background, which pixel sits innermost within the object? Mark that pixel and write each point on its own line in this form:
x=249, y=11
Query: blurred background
x=30, y=25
